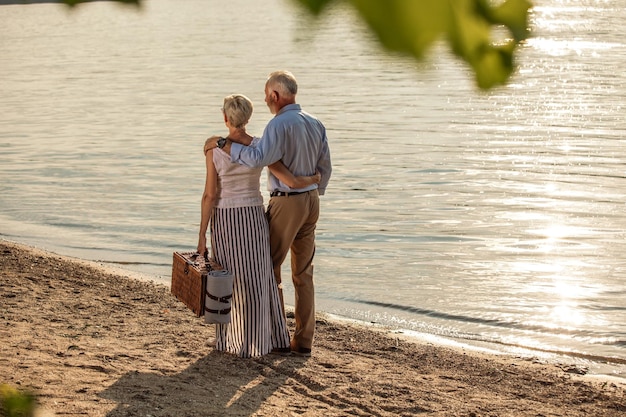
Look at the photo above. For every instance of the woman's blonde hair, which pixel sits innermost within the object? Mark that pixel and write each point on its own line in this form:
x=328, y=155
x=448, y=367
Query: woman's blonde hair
x=238, y=109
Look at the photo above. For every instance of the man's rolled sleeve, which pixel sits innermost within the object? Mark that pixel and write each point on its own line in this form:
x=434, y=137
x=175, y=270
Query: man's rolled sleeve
x=325, y=168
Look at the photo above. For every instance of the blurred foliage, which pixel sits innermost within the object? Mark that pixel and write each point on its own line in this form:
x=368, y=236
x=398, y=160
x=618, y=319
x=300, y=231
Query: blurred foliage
x=483, y=33
x=15, y=403
x=73, y=3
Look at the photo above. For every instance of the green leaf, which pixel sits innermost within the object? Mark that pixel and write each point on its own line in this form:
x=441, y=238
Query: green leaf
x=470, y=38
x=405, y=26
x=15, y=403
x=493, y=67
x=469, y=33
x=514, y=15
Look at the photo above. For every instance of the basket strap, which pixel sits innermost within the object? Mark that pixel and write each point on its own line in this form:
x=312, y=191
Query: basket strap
x=222, y=311
x=225, y=299
x=207, y=263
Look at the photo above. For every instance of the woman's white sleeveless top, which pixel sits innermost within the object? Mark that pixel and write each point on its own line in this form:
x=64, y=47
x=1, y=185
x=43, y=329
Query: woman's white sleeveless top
x=237, y=185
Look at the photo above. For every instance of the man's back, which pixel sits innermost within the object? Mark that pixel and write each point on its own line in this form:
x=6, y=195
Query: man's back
x=295, y=137
x=302, y=141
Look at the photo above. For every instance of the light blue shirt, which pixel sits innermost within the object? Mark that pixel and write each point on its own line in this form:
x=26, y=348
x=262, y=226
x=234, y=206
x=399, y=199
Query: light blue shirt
x=295, y=137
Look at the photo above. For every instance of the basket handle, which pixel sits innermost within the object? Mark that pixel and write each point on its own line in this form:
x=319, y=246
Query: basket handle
x=192, y=262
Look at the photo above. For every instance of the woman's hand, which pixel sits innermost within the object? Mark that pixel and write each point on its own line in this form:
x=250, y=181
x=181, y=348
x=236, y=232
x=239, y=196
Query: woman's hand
x=202, y=245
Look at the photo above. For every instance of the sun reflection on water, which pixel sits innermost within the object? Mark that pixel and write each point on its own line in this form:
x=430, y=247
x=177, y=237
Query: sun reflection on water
x=562, y=278
x=566, y=313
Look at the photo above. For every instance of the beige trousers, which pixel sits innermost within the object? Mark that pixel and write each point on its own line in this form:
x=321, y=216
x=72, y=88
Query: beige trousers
x=292, y=220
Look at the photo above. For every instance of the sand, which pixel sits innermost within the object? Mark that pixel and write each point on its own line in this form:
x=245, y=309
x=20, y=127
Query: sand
x=92, y=342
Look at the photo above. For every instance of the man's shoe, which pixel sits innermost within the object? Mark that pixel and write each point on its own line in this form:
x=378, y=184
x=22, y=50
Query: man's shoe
x=300, y=351
x=281, y=351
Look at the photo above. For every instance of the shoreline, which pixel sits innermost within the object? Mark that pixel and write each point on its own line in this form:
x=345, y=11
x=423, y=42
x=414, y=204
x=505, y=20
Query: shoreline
x=91, y=339
x=572, y=363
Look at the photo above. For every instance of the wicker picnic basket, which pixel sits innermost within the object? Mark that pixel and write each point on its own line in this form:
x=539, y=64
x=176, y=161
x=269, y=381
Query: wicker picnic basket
x=189, y=280
x=202, y=285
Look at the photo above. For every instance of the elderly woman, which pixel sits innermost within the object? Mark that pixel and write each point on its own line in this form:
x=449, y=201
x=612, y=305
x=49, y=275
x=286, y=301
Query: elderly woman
x=233, y=203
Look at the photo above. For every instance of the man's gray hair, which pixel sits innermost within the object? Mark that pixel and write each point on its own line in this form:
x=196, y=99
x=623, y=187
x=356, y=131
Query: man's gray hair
x=284, y=82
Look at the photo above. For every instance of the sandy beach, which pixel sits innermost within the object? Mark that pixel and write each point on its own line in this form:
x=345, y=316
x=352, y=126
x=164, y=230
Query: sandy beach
x=92, y=342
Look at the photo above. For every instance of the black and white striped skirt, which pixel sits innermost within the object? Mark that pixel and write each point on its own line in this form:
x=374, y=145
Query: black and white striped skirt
x=240, y=243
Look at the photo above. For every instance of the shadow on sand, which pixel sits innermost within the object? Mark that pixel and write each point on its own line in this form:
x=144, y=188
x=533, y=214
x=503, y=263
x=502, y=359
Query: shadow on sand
x=219, y=384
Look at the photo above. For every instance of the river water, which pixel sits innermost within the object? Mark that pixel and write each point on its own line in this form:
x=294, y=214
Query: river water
x=490, y=218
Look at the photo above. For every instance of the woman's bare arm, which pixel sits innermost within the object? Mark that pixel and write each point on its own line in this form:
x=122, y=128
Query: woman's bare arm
x=209, y=197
